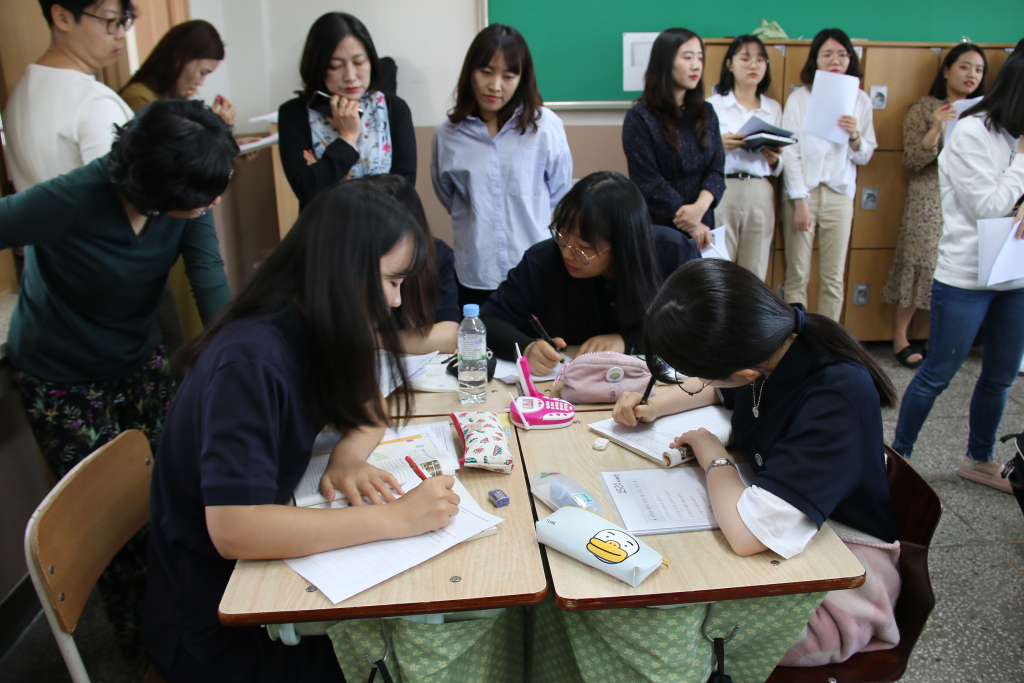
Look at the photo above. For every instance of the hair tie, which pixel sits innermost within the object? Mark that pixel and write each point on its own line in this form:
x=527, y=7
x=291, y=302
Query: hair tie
x=799, y=308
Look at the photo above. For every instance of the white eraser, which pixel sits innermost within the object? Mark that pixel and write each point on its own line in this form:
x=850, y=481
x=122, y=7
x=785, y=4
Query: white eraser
x=601, y=444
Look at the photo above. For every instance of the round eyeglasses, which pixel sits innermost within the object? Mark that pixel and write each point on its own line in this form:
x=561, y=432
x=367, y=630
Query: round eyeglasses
x=693, y=385
x=577, y=252
x=113, y=23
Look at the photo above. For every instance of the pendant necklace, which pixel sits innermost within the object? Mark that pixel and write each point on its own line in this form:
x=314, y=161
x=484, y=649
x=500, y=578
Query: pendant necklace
x=757, y=397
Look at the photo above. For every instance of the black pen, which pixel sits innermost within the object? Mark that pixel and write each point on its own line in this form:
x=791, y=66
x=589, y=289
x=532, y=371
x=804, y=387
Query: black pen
x=647, y=392
x=535, y=321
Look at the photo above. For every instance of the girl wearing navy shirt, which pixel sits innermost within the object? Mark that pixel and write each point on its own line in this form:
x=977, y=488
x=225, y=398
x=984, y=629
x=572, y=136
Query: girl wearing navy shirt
x=673, y=148
x=429, y=316
x=295, y=351
x=806, y=401
x=591, y=282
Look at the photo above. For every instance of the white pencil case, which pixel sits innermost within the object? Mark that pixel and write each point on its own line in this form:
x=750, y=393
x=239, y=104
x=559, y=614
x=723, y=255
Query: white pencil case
x=594, y=541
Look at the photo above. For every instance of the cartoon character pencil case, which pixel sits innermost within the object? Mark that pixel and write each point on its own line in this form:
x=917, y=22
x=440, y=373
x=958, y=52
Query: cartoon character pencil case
x=594, y=541
x=483, y=441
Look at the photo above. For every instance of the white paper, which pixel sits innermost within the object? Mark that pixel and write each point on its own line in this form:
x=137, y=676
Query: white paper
x=259, y=144
x=652, y=439
x=832, y=96
x=960, y=106
x=266, y=118
x=1009, y=263
x=665, y=501
x=413, y=365
x=435, y=377
x=718, y=247
x=636, y=53
x=508, y=373
x=340, y=574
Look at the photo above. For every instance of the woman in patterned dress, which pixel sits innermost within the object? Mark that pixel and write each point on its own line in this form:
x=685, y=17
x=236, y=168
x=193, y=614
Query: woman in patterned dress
x=909, y=285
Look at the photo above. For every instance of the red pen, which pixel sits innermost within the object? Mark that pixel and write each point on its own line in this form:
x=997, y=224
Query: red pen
x=415, y=467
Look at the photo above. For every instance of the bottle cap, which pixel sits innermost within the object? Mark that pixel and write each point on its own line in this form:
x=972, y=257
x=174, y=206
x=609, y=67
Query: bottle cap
x=471, y=310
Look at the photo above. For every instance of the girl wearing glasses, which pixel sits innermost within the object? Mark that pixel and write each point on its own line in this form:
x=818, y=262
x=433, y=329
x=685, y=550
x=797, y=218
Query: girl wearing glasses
x=820, y=178
x=591, y=281
x=59, y=117
x=748, y=205
x=806, y=401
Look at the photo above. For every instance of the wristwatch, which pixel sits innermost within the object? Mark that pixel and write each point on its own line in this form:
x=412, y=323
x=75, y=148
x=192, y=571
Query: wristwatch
x=856, y=138
x=719, y=462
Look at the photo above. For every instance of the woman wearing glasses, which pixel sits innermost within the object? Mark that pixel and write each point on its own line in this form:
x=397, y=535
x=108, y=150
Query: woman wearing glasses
x=84, y=341
x=591, y=282
x=806, y=401
x=59, y=117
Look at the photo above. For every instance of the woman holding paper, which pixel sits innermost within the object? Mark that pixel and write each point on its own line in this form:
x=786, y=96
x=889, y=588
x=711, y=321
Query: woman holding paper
x=295, y=351
x=671, y=139
x=748, y=206
x=591, y=282
x=820, y=175
x=981, y=176
x=806, y=401
x=909, y=285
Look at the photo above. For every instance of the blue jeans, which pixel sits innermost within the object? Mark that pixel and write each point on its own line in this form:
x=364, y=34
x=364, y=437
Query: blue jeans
x=956, y=316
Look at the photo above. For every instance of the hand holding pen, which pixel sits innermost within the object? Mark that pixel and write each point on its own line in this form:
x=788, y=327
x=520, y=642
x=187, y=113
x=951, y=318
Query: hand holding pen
x=345, y=117
x=544, y=354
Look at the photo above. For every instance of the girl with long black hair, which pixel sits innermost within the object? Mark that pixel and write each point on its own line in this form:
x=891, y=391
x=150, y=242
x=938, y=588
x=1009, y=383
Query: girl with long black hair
x=591, y=282
x=806, y=401
x=673, y=148
x=297, y=350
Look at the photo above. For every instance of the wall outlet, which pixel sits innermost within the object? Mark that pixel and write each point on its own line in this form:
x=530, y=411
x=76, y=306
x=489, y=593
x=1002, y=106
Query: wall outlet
x=861, y=294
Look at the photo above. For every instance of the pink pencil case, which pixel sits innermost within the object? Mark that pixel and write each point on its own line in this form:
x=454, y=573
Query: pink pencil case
x=602, y=377
x=483, y=440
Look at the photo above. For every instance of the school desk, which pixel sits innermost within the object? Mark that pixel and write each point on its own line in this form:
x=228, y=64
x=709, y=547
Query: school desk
x=501, y=570
x=702, y=566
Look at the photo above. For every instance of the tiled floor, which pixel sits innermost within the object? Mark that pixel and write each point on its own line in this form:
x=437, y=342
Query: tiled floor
x=974, y=635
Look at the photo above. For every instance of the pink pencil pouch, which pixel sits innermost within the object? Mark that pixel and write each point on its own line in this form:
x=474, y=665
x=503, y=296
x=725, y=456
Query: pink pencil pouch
x=602, y=377
x=483, y=440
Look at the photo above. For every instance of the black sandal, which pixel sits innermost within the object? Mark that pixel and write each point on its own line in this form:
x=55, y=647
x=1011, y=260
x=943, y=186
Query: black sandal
x=906, y=353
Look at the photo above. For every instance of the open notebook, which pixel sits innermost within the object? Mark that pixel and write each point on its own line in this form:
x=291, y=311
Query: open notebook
x=652, y=439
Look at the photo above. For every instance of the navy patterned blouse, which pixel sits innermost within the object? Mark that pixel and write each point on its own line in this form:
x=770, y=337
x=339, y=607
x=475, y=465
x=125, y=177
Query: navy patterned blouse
x=669, y=178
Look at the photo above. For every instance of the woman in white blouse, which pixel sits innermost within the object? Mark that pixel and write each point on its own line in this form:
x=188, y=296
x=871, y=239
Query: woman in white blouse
x=748, y=207
x=820, y=178
x=500, y=162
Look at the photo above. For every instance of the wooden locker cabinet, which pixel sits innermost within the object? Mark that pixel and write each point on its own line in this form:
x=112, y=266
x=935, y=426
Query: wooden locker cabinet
x=880, y=228
x=777, y=275
x=871, y=322
x=908, y=73
x=714, y=55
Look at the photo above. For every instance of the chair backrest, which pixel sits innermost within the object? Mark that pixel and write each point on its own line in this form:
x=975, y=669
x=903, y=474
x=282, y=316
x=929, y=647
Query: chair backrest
x=87, y=517
x=917, y=506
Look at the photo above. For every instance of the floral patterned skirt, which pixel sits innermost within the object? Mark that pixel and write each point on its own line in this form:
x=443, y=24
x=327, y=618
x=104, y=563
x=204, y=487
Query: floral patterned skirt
x=69, y=422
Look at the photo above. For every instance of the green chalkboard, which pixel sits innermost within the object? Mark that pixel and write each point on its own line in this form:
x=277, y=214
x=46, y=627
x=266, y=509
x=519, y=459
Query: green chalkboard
x=577, y=44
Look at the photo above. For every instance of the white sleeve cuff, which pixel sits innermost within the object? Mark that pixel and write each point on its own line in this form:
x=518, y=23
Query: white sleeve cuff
x=779, y=525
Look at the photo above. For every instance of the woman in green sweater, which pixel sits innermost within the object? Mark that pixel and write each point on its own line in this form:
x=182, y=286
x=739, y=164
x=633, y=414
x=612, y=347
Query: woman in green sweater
x=99, y=242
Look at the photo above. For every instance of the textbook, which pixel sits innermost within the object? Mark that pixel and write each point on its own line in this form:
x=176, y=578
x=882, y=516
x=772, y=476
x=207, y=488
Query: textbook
x=652, y=439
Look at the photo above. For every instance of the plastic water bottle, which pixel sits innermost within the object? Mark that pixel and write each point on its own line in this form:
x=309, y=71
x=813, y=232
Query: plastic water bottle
x=472, y=356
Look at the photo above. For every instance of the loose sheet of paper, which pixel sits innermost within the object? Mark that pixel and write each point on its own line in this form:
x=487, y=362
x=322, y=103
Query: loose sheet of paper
x=651, y=439
x=413, y=365
x=435, y=377
x=718, y=247
x=507, y=372
x=832, y=96
x=960, y=106
x=258, y=144
x=340, y=574
x=636, y=53
x=664, y=501
x=1009, y=263
x=1000, y=254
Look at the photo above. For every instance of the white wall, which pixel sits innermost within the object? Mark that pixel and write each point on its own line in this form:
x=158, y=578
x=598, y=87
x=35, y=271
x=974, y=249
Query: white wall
x=427, y=39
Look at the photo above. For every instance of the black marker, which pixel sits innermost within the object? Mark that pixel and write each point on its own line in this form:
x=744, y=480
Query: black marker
x=647, y=392
x=535, y=321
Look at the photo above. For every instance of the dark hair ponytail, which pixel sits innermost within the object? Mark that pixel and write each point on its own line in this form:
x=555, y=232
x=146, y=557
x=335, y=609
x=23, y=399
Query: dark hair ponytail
x=731, y=312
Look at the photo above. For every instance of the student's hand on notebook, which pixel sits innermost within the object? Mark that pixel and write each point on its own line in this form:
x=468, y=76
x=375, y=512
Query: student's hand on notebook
x=628, y=410
x=604, y=342
x=428, y=507
x=706, y=446
x=732, y=141
x=542, y=357
x=356, y=479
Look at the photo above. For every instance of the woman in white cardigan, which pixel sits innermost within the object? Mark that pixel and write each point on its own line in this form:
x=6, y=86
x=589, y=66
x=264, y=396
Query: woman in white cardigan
x=820, y=179
x=981, y=175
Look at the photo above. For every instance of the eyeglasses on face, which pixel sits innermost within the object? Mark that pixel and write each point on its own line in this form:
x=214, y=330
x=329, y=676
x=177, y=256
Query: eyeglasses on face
x=113, y=23
x=693, y=385
x=577, y=252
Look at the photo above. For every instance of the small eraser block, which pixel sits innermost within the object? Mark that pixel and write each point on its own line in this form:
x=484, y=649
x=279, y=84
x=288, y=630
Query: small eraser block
x=498, y=497
x=601, y=444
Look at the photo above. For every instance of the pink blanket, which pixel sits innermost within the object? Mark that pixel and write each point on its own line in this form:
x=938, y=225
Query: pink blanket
x=858, y=620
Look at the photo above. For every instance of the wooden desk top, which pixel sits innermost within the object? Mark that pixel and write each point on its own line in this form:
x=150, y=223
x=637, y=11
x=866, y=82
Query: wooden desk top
x=702, y=566
x=497, y=571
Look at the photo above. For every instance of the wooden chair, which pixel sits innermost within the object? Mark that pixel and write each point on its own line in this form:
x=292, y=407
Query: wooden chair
x=79, y=527
x=917, y=515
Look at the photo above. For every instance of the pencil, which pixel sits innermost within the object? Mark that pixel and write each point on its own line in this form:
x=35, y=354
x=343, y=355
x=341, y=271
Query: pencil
x=647, y=392
x=323, y=94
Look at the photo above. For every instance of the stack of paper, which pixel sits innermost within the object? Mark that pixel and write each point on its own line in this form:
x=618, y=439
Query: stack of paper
x=718, y=247
x=659, y=502
x=652, y=439
x=759, y=133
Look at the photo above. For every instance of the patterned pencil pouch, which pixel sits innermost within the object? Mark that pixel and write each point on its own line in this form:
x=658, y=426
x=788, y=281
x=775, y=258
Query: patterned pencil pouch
x=483, y=440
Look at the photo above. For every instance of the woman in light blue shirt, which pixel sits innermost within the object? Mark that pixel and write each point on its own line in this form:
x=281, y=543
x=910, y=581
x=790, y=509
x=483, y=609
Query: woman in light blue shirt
x=499, y=163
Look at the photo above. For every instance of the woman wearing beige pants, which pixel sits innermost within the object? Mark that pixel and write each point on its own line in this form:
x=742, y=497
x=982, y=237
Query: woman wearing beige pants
x=820, y=179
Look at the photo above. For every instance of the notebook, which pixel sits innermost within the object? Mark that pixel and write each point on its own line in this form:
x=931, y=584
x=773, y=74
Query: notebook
x=652, y=439
x=658, y=502
x=435, y=377
x=414, y=366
